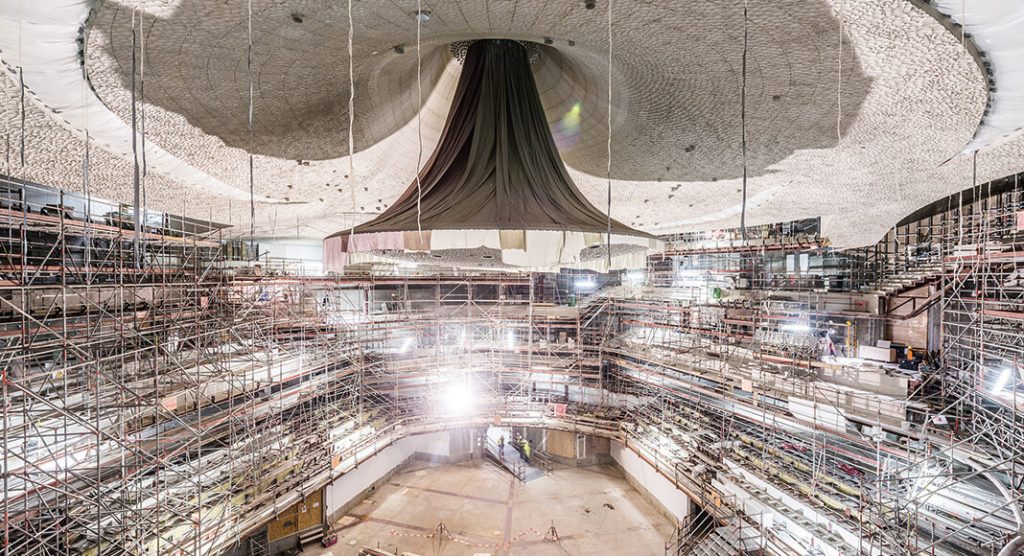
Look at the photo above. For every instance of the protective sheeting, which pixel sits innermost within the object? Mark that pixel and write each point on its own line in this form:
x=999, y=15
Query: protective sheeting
x=495, y=181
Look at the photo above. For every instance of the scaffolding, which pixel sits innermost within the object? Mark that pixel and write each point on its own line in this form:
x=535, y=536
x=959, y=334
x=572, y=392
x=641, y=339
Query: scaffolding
x=166, y=392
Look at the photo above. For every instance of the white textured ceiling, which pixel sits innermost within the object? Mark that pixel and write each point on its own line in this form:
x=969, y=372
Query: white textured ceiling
x=911, y=99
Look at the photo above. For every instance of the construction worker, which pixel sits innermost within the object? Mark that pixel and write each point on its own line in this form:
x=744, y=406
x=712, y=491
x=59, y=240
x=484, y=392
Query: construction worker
x=501, y=446
x=526, y=450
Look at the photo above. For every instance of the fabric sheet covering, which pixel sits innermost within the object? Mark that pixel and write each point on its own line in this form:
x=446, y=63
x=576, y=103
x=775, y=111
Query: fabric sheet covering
x=495, y=168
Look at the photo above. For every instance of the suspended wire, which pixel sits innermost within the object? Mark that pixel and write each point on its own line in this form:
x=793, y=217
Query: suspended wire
x=85, y=181
x=743, y=125
x=136, y=180
x=839, y=87
x=252, y=177
x=419, y=118
x=351, y=120
x=142, y=103
x=608, y=168
x=963, y=23
x=974, y=160
x=21, y=92
x=21, y=89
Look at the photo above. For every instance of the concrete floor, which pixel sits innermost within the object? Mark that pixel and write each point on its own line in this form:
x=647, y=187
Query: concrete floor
x=594, y=510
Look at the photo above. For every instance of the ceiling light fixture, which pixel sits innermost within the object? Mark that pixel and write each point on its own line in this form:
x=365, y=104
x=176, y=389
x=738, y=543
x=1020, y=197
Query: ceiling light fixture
x=486, y=186
x=423, y=15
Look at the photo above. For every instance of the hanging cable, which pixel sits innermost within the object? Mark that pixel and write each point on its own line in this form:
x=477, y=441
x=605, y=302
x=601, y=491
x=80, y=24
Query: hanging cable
x=21, y=92
x=743, y=125
x=963, y=23
x=136, y=181
x=351, y=120
x=419, y=118
x=974, y=170
x=839, y=87
x=85, y=185
x=142, y=103
x=252, y=177
x=608, y=168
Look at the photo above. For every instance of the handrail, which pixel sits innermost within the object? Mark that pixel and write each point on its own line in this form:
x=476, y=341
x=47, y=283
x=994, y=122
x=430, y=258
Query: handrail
x=512, y=465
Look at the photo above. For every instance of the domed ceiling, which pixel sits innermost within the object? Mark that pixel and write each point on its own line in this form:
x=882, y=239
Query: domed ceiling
x=860, y=139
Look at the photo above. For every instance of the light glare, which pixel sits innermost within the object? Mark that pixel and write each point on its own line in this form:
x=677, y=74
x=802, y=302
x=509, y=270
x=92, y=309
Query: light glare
x=1001, y=382
x=458, y=399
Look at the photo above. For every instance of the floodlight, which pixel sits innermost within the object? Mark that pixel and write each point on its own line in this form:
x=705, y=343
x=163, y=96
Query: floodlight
x=796, y=327
x=458, y=399
x=587, y=283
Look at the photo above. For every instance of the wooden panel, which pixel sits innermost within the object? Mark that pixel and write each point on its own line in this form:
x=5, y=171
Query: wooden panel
x=562, y=444
x=298, y=517
x=312, y=513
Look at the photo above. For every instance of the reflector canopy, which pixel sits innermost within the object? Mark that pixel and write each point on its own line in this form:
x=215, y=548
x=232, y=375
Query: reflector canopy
x=495, y=182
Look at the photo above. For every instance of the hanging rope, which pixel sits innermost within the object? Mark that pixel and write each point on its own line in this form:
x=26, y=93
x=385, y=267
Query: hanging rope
x=608, y=168
x=743, y=125
x=252, y=177
x=351, y=120
x=419, y=118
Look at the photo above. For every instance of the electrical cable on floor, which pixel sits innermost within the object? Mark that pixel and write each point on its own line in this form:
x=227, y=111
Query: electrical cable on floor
x=608, y=169
x=743, y=126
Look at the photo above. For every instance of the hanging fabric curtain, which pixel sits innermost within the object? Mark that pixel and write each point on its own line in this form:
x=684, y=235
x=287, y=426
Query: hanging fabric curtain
x=495, y=183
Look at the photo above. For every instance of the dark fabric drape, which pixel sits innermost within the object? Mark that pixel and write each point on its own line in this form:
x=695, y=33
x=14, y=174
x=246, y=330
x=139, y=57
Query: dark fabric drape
x=496, y=165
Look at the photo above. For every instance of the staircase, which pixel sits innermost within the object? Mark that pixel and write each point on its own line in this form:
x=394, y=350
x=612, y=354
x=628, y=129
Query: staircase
x=722, y=541
x=916, y=276
x=311, y=535
x=691, y=533
x=259, y=545
x=509, y=461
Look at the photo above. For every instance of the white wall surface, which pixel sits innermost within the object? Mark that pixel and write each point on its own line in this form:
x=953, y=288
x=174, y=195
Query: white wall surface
x=660, y=488
x=353, y=483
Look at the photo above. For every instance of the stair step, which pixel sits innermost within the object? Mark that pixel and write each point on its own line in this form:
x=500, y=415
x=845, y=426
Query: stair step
x=310, y=536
